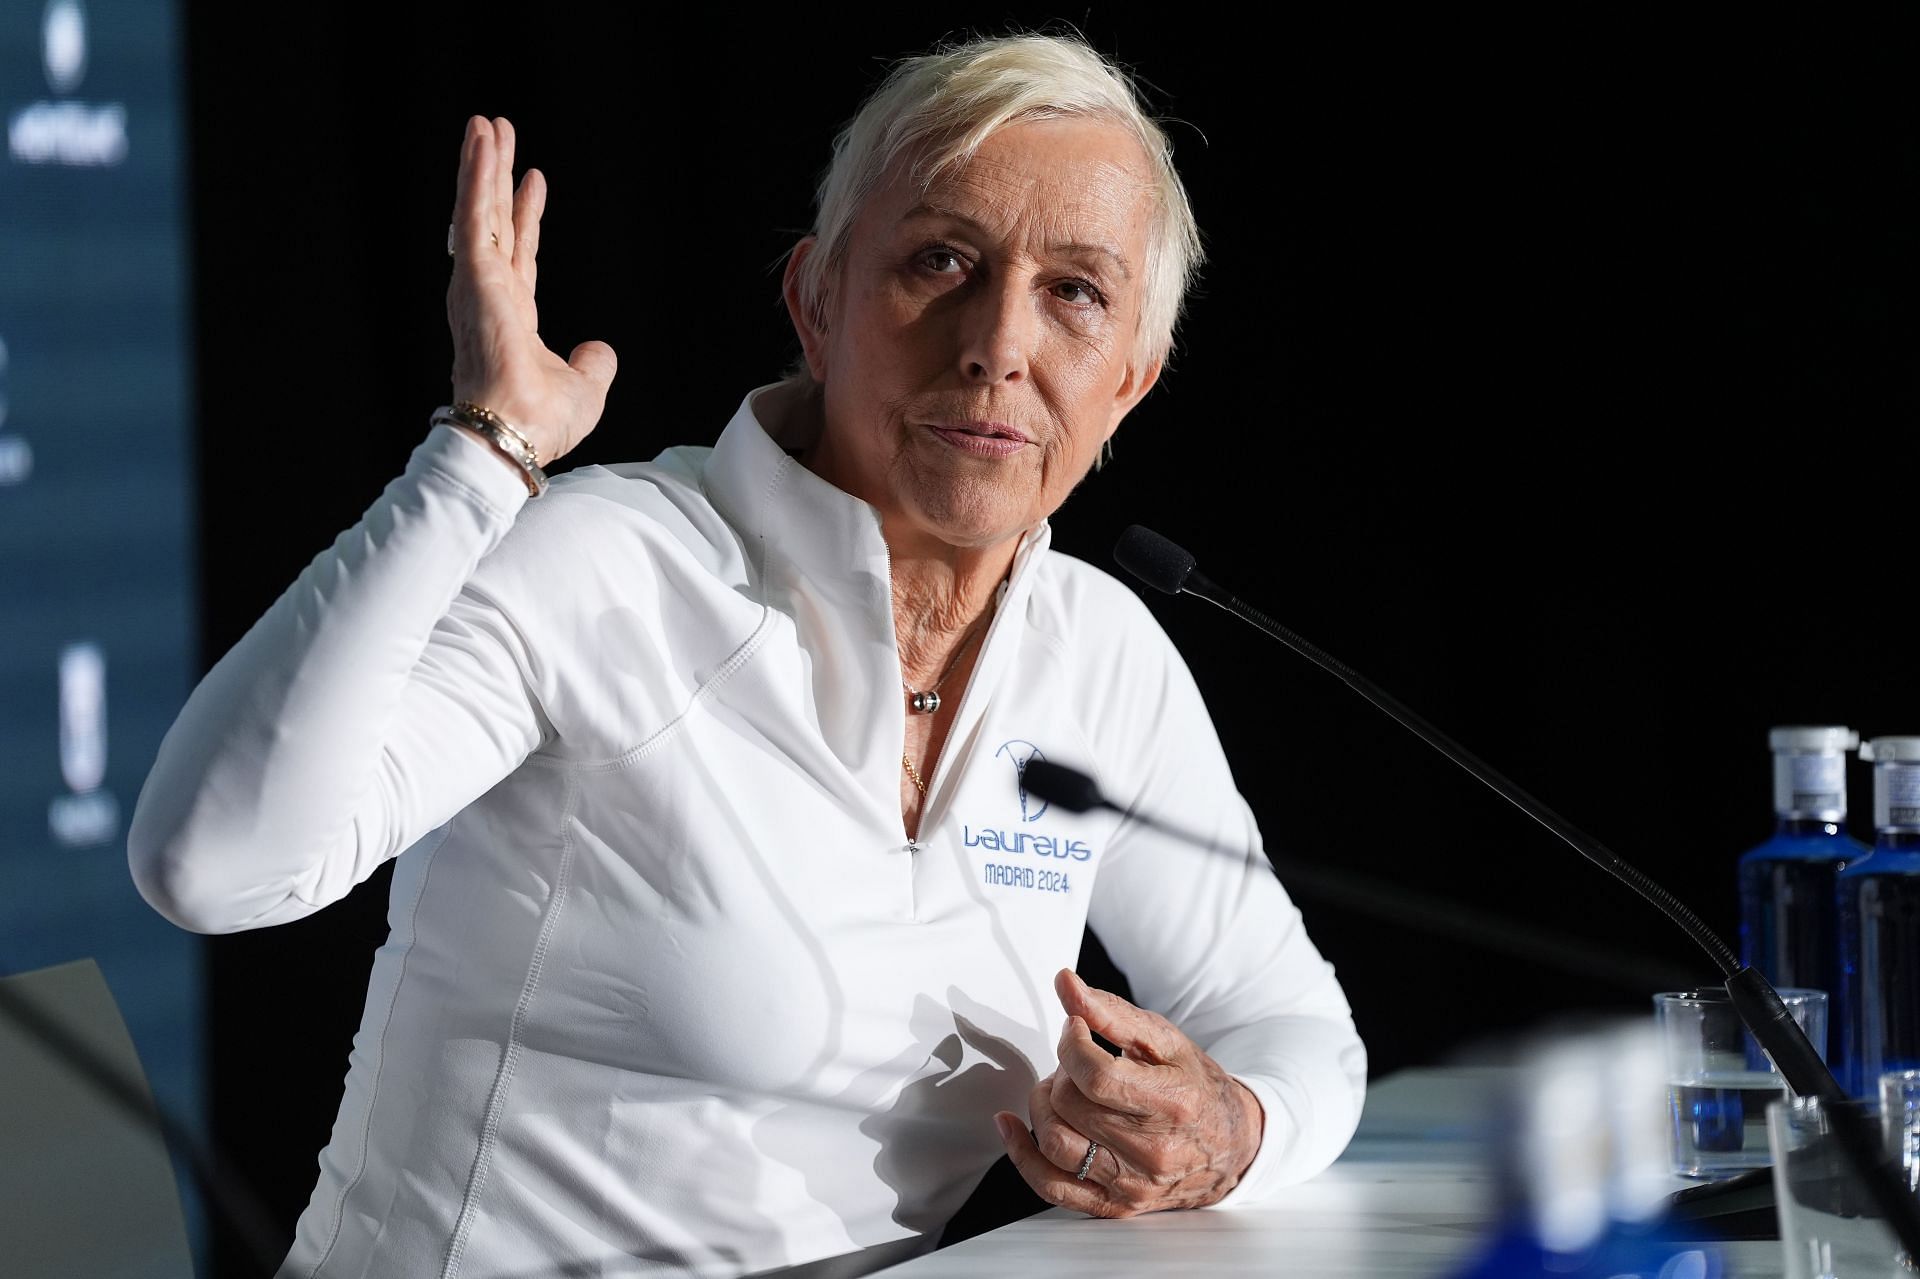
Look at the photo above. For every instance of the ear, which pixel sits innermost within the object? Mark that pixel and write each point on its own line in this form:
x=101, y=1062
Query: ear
x=1133, y=388
x=807, y=325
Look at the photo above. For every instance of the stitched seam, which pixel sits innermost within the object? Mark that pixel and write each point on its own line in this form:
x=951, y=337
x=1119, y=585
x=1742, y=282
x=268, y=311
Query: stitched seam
x=373, y=1100
x=740, y=657
x=737, y=659
x=509, y=1060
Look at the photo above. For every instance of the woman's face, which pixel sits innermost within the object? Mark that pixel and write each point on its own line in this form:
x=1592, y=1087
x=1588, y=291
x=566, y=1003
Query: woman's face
x=979, y=345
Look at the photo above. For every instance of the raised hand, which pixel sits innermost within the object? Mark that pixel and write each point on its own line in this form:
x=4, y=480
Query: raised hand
x=499, y=361
x=1174, y=1130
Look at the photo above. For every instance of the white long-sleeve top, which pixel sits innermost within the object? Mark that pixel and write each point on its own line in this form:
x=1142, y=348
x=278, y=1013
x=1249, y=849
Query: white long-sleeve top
x=668, y=989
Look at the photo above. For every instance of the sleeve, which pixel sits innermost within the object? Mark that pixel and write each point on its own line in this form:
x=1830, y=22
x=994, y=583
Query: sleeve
x=1210, y=939
x=371, y=702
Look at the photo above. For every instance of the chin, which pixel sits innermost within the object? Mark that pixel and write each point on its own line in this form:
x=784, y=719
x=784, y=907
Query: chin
x=962, y=516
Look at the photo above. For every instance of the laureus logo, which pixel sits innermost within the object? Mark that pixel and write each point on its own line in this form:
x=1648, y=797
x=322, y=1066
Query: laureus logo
x=1020, y=753
x=63, y=44
x=1031, y=843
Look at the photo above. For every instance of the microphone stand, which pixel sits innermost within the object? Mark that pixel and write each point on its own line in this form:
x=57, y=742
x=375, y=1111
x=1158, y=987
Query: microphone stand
x=1166, y=567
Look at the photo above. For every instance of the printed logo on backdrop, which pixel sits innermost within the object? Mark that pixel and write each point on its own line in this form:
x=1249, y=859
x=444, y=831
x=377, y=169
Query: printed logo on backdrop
x=61, y=129
x=88, y=814
x=1043, y=860
x=63, y=44
x=1021, y=754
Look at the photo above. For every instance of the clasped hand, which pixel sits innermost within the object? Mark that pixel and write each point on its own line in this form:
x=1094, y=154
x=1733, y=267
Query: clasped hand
x=1174, y=1129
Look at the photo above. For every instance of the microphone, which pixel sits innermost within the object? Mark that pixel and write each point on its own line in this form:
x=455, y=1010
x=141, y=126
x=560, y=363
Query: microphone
x=1153, y=559
x=1073, y=791
x=1166, y=566
x=1076, y=792
x=1070, y=788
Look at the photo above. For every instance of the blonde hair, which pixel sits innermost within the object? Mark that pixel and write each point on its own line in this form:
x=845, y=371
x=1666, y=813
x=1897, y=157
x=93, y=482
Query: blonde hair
x=940, y=107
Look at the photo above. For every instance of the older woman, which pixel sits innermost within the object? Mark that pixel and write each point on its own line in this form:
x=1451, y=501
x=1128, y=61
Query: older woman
x=724, y=933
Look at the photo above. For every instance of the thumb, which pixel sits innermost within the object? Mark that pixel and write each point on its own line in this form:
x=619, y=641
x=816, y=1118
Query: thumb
x=596, y=361
x=1075, y=995
x=1136, y=1032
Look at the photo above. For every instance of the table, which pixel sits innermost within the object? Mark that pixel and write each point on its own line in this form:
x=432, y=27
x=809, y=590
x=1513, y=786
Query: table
x=1411, y=1197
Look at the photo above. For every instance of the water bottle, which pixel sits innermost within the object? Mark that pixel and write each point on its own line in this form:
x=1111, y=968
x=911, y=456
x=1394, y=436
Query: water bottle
x=1580, y=1164
x=1789, y=928
x=1879, y=908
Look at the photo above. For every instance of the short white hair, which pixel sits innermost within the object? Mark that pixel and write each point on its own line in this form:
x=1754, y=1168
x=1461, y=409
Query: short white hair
x=940, y=107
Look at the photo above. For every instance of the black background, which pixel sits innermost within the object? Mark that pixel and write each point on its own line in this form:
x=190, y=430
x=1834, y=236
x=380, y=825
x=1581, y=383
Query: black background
x=1555, y=369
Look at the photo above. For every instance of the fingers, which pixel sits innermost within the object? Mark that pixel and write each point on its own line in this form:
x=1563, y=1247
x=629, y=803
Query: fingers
x=503, y=140
x=1113, y=1082
x=486, y=211
x=1048, y=1180
x=1063, y=1145
x=1073, y=1109
x=1139, y=1033
x=528, y=204
x=470, y=219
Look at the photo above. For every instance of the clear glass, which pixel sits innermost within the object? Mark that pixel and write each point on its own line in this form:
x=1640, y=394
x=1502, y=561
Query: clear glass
x=1900, y=1111
x=1829, y=1229
x=1719, y=1083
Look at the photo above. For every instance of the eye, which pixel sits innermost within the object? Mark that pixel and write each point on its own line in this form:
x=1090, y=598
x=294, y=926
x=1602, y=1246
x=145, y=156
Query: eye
x=1079, y=292
x=941, y=260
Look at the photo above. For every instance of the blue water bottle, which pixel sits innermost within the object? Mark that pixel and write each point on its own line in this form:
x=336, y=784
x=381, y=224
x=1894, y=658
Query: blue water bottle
x=1879, y=906
x=1789, y=928
x=1579, y=1155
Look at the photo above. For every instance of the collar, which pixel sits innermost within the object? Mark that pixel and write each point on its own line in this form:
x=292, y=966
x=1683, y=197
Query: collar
x=766, y=494
x=822, y=559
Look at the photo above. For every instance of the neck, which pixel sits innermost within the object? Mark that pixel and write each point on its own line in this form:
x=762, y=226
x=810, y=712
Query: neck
x=941, y=594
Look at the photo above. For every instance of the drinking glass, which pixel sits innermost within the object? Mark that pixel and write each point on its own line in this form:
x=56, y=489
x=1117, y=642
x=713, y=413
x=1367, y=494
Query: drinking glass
x=1829, y=1227
x=1719, y=1082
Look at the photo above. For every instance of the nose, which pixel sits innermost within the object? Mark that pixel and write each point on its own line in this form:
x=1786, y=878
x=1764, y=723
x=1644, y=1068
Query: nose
x=997, y=330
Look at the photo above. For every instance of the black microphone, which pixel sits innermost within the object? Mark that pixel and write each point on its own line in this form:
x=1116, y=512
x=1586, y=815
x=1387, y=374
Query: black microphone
x=1165, y=566
x=1076, y=792
x=1070, y=788
x=1153, y=559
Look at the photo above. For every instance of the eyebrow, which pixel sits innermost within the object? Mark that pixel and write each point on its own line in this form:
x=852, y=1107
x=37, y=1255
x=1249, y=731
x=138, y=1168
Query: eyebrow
x=927, y=209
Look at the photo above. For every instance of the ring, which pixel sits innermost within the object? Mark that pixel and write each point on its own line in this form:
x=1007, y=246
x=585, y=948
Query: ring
x=494, y=235
x=1086, y=1165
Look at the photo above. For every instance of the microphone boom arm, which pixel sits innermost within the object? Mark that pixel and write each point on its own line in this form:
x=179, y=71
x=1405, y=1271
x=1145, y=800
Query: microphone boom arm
x=1163, y=565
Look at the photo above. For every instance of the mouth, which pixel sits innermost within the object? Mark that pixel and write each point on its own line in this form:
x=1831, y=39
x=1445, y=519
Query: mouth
x=982, y=439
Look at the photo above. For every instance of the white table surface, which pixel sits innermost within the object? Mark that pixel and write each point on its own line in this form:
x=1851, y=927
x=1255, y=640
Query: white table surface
x=1410, y=1197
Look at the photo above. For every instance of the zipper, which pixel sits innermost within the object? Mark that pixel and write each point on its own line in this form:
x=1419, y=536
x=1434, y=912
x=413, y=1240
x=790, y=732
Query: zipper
x=913, y=846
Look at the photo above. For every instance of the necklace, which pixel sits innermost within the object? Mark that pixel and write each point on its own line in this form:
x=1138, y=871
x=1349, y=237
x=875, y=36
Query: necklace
x=927, y=701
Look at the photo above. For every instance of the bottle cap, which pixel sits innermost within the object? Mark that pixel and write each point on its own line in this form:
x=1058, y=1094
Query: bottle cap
x=1810, y=771
x=1822, y=740
x=1897, y=750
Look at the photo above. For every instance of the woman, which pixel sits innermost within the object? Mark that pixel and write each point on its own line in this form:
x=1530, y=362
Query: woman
x=724, y=934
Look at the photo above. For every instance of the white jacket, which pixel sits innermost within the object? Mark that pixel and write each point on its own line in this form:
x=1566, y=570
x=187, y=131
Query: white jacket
x=667, y=989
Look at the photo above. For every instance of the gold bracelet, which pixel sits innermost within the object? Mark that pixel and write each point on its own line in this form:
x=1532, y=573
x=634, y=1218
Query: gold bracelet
x=497, y=431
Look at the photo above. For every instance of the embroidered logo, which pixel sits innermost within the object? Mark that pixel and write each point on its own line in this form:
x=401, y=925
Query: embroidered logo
x=1020, y=753
x=1039, y=876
